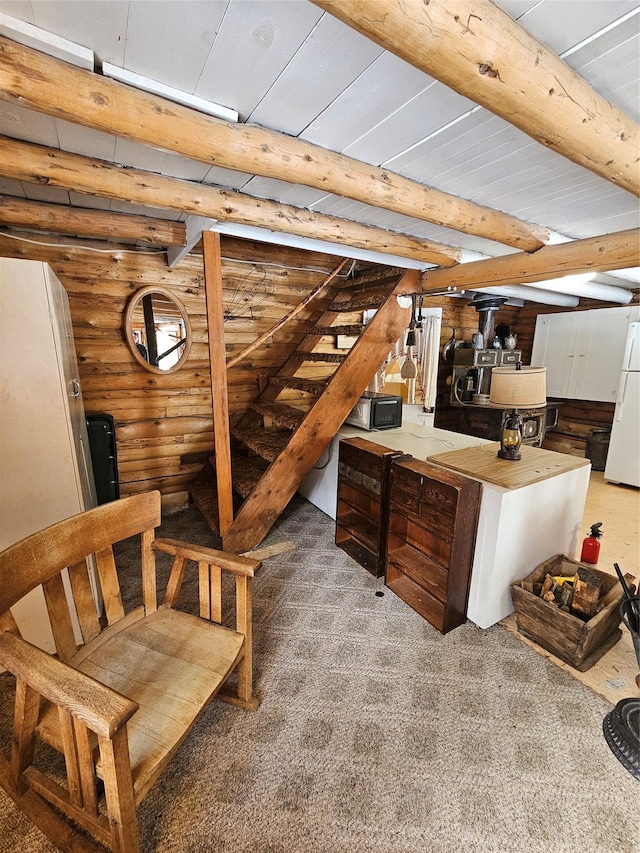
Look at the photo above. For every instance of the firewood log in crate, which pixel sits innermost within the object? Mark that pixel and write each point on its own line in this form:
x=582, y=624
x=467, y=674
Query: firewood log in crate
x=577, y=642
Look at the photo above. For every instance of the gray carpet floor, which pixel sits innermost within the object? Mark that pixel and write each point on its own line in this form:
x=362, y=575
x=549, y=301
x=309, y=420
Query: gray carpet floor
x=376, y=734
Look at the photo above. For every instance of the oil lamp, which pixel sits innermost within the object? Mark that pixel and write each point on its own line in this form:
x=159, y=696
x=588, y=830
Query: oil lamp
x=516, y=388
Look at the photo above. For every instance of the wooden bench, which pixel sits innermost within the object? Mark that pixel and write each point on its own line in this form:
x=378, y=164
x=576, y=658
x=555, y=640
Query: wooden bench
x=123, y=689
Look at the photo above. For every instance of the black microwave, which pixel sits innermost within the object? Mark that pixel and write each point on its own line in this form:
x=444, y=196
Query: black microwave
x=376, y=411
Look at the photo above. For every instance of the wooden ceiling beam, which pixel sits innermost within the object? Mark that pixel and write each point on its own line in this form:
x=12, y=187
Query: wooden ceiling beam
x=479, y=51
x=24, y=161
x=45, y=84
x=83, y=222
x=594, y=254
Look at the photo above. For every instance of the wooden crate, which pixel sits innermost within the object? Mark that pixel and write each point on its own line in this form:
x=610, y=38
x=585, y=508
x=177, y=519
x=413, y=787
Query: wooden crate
x=362, y=513
x=433, y=516
x=576, y=642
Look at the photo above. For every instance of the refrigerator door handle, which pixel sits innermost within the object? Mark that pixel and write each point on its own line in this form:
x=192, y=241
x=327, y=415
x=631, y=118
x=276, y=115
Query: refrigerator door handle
x=624, y=378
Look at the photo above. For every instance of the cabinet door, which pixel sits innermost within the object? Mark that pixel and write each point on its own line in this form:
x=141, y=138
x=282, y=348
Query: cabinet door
x=40, y=474
x=433, y=515
x=553, y=348
x=62, y=329
x=599, y=353
x=583, y=352
x=362, y=514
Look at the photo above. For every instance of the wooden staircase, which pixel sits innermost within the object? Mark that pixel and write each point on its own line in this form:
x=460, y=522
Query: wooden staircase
x=277, y=444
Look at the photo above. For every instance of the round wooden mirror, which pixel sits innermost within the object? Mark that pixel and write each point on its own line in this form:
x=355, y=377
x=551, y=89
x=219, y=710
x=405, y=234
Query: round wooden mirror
x=157, y=329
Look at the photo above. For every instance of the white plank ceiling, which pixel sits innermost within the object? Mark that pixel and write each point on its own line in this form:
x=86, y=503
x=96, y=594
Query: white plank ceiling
x=288, y=66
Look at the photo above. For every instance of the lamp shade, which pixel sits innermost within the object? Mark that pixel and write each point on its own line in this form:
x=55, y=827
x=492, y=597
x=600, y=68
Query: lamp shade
x=519, y=389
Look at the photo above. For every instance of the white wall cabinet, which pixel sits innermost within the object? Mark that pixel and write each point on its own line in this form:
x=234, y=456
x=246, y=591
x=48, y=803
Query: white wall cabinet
x=582, y=351
x=45, y=463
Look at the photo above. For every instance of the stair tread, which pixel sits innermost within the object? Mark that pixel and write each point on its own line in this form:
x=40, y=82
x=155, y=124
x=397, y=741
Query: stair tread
x=329, y=357
x=351, y=329
x=266, y=443
x=204, y=495
x=245, y=475
x=298, y=383
x=360, y=303
x=281, y=413
x=389, y=275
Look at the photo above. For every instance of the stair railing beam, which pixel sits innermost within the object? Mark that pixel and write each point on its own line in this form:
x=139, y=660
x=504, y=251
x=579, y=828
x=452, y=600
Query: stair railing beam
x=231, y=362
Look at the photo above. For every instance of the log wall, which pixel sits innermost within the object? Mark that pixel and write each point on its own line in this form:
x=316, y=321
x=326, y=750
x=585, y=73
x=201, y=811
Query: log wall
x=164, y=430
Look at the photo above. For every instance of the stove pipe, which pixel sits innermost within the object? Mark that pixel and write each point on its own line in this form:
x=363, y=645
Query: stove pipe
x=486, y=305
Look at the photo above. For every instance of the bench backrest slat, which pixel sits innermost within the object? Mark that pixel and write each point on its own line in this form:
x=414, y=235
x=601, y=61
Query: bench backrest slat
x=31, y=561
x=74, y=543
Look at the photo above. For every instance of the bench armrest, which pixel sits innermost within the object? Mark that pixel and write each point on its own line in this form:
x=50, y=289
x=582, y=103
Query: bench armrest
x=100, y=708
x=229, y=562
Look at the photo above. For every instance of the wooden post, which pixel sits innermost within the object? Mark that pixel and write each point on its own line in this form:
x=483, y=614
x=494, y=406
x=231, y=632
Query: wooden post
x=219, y=397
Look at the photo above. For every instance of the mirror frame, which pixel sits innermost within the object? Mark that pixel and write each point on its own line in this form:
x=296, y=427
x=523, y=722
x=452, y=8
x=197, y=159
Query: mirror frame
x=128, y=328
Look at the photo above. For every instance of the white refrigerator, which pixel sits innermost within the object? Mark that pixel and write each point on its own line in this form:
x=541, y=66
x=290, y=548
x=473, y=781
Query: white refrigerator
x=623, y=458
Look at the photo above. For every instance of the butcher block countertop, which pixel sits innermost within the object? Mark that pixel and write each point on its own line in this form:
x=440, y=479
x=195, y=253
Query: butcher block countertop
x=482, y=462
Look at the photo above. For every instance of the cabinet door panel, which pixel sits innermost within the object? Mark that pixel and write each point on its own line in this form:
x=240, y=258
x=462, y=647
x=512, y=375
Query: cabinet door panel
x=416, y=565
x=421, y=538
x=583, y=352
x=600, y=353
x=359, y=500
x=553, y=345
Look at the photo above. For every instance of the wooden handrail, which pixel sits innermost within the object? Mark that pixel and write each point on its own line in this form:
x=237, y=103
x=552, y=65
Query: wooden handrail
x=231, y=362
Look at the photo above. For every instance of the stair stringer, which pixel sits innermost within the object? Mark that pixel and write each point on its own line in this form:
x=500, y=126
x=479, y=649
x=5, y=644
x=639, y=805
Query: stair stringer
x=281, y=480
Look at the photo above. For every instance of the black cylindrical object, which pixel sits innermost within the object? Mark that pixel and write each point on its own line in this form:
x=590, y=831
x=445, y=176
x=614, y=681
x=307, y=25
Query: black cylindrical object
x=597, y=448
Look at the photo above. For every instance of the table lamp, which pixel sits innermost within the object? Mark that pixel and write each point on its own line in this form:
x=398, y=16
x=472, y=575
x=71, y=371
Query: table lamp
x=516, y=388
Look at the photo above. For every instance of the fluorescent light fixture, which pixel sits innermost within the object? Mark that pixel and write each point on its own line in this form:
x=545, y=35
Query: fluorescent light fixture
x=251, y=232
x=631, y=274
x=576, y=278
x=196, y=224
x=31, y=36
x=531, y=294
x=581, y=285
x=156, y=88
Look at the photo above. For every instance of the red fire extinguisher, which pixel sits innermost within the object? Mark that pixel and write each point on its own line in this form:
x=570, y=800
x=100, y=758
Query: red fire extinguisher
x=591, y=546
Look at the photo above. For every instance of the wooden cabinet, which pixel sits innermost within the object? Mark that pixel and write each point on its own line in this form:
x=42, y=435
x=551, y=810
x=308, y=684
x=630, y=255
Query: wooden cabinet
x=582, y=351
x=362, y=512
x=45, y=464
x=433, y=515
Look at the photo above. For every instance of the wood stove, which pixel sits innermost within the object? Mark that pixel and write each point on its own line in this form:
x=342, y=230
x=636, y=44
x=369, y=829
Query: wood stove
x=471, y=383
x=486, y=422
